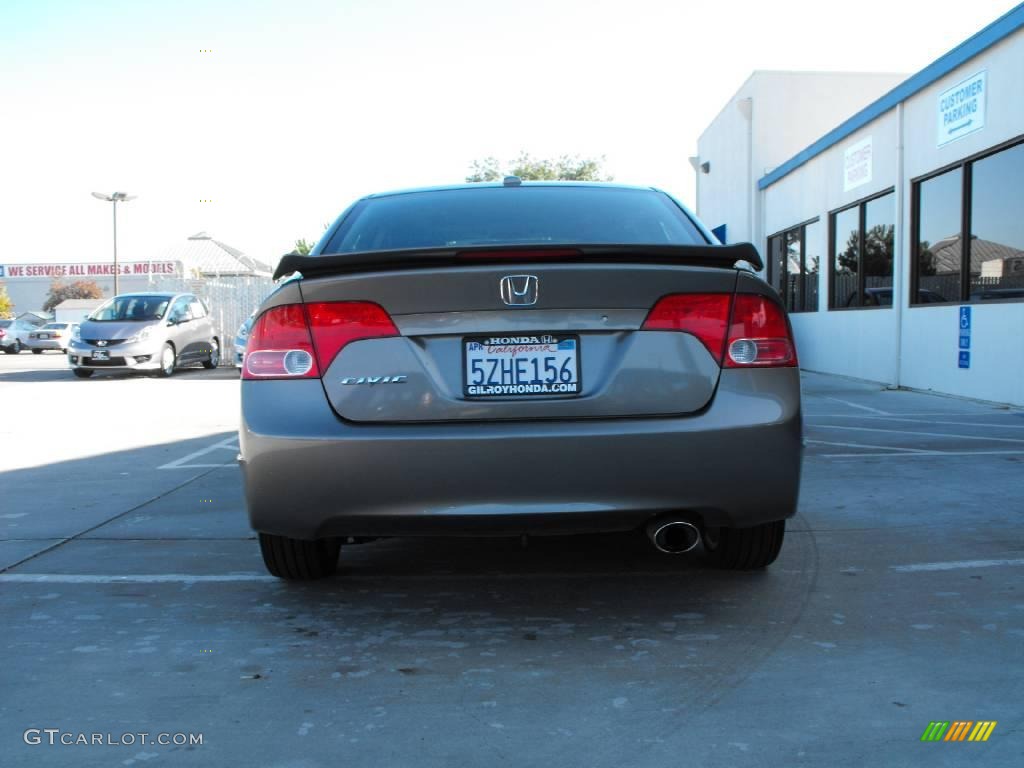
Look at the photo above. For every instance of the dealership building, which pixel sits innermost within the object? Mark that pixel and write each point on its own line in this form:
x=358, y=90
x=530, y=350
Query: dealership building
x=184, y=265
x=890, y=212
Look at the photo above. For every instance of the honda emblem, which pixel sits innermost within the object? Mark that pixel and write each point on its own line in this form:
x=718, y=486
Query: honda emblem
x=519, y=290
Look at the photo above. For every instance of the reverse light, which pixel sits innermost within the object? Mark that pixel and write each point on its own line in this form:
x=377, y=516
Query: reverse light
x=759, y=334
x=745, y=330
x=301, y=340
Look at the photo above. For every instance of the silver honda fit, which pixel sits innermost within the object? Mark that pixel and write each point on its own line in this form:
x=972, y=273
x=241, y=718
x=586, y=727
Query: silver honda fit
x=520, y=358
x=154, y=332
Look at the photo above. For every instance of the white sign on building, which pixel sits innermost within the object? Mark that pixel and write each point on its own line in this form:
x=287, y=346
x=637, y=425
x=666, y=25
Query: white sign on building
x=89, y=269
x=857, y=165
x=961, y=109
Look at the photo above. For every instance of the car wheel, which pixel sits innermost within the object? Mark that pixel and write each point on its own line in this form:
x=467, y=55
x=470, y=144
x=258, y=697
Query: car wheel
x=297, y=559
x=37, y=351
x=167, y=361
x=744, y=549
x=82, y=373
x=12, y=350
x=214, y=360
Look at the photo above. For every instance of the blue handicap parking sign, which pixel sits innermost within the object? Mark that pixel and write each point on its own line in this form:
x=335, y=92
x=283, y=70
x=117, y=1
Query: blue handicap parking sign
x=965, y=318
x=965, y=341
x=965, y=359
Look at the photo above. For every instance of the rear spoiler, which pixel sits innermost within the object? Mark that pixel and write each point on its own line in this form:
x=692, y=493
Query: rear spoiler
x=721, y=256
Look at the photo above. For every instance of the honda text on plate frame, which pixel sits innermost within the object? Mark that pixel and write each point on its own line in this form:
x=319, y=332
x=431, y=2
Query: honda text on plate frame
x=440, y=345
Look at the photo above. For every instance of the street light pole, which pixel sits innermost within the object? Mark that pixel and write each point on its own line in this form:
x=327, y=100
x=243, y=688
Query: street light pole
x=115, y=198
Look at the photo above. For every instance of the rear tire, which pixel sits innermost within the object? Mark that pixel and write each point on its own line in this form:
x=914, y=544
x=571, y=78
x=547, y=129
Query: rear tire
x=744, y=549
x=299, y=560
x=214, y=359
x=11, y=350
x=82, y=373
x=37, y=351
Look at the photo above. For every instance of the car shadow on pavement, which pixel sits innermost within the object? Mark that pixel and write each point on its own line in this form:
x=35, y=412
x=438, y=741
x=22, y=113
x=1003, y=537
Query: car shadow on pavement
x=197, y=373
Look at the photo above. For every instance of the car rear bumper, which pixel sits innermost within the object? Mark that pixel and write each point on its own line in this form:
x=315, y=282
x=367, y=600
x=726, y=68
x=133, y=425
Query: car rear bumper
x=309, y=474
x=46, y=344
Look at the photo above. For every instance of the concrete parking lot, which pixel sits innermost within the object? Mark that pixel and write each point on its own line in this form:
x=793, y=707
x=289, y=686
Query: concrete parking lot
x=133, y=599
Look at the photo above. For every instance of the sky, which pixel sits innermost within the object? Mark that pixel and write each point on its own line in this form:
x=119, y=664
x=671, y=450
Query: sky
x=259, y=122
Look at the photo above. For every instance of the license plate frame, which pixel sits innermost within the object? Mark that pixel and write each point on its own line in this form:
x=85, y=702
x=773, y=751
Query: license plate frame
x=536, y=387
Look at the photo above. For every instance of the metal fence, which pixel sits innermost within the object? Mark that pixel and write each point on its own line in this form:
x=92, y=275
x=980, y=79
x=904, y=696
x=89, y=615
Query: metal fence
x=231, y=300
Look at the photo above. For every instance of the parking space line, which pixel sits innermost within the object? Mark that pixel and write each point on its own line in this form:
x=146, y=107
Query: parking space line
x=135, y=578
x=865, y=445
x=915, y=454
x=957, y=565
x=854, y=405
x=922, y=421
x=228, y=444
x=923, y=434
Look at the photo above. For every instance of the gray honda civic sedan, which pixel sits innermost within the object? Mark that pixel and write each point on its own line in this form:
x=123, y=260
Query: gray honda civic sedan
x=510, y=358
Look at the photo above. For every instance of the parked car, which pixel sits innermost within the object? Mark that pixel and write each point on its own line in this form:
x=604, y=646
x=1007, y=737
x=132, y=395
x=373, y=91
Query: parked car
x=242, y=337
x=14, y=334
x=520, y=358
x=51, y=336
x=154, y=332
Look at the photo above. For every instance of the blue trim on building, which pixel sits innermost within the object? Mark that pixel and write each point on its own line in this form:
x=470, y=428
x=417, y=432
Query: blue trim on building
x=998, y=30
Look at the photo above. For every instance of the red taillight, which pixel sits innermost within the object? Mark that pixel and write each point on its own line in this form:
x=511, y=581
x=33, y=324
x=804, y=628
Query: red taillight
x=301, y=340
x=759, y=334
x=522, y=254
x=280, y=346
x=705, y=315
x=337, y=323
x=754, y=333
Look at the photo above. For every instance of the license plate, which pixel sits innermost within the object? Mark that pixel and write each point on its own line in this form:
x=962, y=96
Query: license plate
x=100, y=355
x=44, y=335
x=502, y=366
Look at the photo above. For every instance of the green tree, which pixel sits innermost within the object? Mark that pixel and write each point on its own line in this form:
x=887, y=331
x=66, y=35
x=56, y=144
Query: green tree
x=80, y=289
x=6, y=305
x=303, y=246
x=564, y=168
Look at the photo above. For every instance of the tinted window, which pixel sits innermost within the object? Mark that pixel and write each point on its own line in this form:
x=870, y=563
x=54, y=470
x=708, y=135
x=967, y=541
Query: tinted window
x=863, y=248
x=137, y=308
x=879, y=247
x=5, y=323
x=812, y=262
x=846, y=248
x=939, y=248
x=510, y=215
x=997, y=226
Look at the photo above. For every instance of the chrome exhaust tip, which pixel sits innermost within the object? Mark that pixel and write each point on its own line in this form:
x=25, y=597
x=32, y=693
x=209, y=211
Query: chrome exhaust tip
x=673, y=537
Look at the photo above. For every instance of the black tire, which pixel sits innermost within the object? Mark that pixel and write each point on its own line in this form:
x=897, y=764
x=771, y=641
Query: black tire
x=82, y=373
x=214, y=359
x=12, y=350
x=37, y=351
x=744, y=549
x=299, y=560
x=164, y=371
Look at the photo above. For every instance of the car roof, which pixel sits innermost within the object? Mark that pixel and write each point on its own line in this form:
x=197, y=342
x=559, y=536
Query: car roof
x=156, y=294
x=501, y=184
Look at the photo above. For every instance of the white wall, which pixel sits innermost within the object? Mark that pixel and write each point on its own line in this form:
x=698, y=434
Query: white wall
x=789, y=110
x=914, y=347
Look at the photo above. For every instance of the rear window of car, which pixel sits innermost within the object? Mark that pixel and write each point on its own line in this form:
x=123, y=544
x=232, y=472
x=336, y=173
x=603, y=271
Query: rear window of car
x=55, y=326
x=514, y=215
x=5, y=323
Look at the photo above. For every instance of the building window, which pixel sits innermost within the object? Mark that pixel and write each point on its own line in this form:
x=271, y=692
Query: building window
x=862, y=252
x=793, y=267
x=983, y=196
